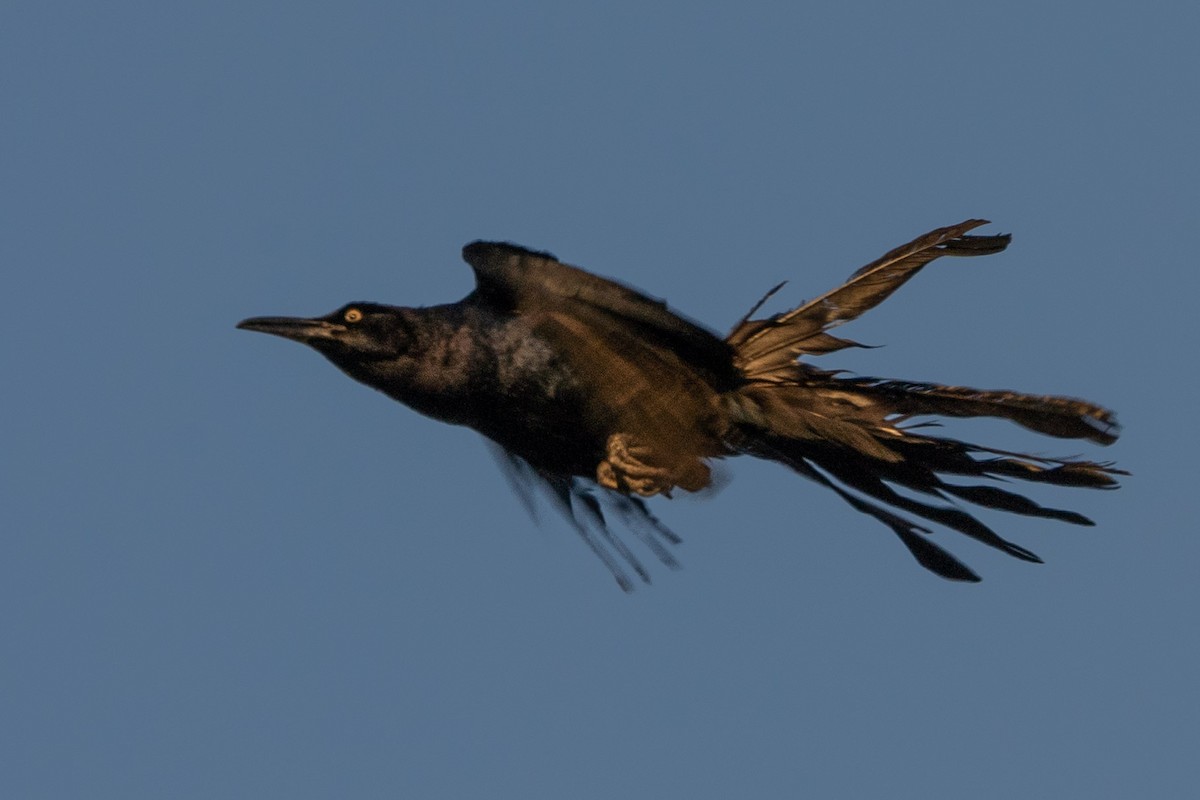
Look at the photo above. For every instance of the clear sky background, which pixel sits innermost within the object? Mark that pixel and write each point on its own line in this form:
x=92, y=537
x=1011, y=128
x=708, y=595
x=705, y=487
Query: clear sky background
x=228, y=571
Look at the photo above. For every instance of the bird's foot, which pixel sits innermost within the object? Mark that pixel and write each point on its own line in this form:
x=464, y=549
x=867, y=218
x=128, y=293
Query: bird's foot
x=628, y=467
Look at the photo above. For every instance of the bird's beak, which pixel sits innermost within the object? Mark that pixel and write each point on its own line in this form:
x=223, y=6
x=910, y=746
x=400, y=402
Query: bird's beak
x=298, y=329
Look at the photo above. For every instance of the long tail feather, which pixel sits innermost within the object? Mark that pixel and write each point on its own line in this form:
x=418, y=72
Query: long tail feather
x=858, y=436
x=859, y=475
x=995, y=497
x=847, y=429
x=929, y=555
x=768, y=345
x=1064, y=417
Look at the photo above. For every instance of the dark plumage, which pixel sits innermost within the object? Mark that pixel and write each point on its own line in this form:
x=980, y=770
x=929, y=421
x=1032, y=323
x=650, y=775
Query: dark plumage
x=603, y=396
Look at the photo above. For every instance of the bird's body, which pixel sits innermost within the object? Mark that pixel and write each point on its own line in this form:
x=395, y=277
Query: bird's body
x=469, y=365
x=605, y=396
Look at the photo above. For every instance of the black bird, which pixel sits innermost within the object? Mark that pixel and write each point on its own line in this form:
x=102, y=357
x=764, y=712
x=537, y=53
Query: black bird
x=604, y=396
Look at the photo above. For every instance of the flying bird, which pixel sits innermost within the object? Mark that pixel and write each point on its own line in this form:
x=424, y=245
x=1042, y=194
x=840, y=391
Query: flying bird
x=603, y=396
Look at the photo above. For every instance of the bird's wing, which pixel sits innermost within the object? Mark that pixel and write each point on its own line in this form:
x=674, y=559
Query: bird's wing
x=584, y=504
x=638, y=388
x=523, y=281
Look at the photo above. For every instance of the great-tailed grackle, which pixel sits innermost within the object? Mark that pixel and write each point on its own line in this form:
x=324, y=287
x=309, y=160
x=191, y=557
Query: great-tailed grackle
x=604, y=396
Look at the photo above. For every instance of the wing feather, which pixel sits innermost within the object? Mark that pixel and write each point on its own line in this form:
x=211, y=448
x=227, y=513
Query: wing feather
x=525, y=281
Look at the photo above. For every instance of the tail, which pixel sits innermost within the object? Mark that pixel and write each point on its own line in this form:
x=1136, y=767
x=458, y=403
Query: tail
x=857, y=436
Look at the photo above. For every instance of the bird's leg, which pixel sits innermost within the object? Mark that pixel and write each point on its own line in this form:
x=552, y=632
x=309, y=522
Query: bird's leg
x=629, y=467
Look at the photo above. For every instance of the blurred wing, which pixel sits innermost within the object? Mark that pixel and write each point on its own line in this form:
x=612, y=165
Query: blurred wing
x=584, y=504
x=523, y=281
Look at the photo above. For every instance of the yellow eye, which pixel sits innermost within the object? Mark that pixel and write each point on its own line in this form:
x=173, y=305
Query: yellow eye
x=352, y=315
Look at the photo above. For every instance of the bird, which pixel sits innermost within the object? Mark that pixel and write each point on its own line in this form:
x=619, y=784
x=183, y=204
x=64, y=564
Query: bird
x=601, y=396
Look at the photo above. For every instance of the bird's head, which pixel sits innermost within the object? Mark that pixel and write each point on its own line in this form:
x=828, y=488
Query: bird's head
x=351, y=337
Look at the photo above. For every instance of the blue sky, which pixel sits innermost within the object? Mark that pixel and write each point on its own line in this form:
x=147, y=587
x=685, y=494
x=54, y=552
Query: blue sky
x=228, y=571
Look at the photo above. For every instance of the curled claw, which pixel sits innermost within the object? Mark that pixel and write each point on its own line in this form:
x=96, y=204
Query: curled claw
x=629, y=467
